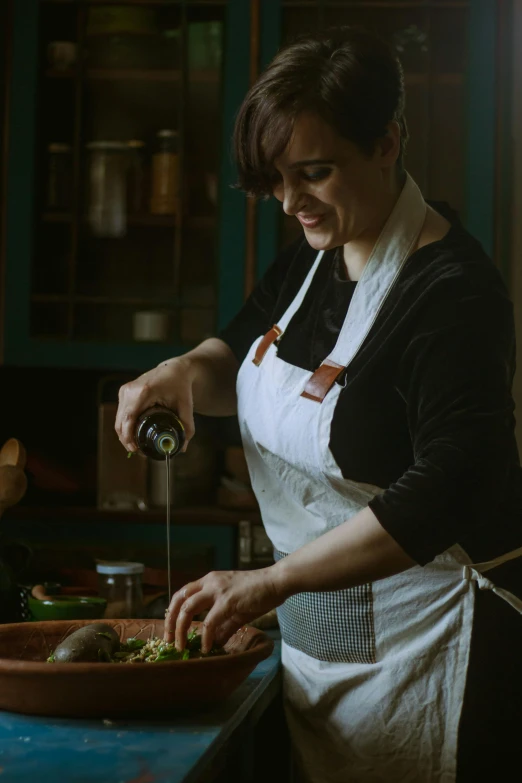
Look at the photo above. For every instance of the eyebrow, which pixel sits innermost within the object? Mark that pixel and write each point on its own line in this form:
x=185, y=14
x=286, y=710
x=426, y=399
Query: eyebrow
x=313, y=162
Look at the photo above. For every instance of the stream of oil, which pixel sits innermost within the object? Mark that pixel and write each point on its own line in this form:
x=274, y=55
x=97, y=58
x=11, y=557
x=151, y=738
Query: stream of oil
x=167, y=465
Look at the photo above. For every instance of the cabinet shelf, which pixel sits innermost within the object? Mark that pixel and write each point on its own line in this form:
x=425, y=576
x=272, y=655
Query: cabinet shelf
x=158, y=75
x=204, y=3
x=191, y=515
x=135, y=74
x=132, y=301
x=154, y=221
x=382, y=4
x=197, y=221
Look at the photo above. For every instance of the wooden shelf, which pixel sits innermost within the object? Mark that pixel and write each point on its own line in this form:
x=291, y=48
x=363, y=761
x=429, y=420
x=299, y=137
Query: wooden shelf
x=101, y=300
x=393, y=5
x=130, y=301
x=170, y=221
x=196, y=515
x=154, y=221
x=159, y=3
x=135, y=74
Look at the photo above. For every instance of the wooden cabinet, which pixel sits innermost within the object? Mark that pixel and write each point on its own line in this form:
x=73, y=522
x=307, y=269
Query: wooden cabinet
x=82, y=265
x=116, y=143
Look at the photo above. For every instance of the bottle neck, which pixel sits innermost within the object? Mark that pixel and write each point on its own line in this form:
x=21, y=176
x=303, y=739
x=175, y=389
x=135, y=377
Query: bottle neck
x=164, y=440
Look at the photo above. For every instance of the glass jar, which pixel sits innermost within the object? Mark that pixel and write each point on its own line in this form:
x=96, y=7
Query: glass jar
x=59, y=177
x=165, y=174
x=120, y=584
x=136, y=176
x=107, y=188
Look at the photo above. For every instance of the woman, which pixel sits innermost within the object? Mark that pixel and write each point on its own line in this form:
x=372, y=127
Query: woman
x=371, y=370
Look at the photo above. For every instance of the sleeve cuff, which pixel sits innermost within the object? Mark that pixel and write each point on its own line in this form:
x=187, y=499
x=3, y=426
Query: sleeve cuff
x=411, y=534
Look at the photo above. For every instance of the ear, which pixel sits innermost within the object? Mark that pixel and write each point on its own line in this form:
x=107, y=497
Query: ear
x=389, y=146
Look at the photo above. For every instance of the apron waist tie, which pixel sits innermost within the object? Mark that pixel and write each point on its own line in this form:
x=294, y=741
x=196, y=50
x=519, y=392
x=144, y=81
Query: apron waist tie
x=470, y=574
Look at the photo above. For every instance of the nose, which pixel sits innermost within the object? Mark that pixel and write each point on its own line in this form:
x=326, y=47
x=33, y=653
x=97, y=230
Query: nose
x=291, y=198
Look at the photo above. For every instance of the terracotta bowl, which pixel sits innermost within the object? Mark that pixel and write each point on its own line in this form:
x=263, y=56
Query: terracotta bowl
x=30, y=685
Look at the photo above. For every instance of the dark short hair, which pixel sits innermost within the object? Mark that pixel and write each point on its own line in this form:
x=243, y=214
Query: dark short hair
x=348, y=76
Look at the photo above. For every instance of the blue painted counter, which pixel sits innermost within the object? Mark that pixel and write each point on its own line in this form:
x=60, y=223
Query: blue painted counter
x=184, y=750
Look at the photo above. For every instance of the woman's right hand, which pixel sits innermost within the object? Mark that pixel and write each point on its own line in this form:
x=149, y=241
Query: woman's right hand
x=170, y=385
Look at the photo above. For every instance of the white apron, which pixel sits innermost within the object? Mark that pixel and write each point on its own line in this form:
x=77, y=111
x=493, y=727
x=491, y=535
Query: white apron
x=374, y=676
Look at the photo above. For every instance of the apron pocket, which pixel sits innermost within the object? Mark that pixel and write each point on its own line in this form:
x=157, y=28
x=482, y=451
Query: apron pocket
x=332, y=626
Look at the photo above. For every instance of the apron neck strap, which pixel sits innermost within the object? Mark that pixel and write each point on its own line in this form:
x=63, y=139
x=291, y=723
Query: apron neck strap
x=395, y=244
x=298, y=301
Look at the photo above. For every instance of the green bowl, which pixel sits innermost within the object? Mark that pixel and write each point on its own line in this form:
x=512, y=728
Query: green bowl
x=64, y=607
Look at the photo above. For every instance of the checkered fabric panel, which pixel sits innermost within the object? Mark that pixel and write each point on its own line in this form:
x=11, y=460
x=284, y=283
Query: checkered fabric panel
x=334, y=626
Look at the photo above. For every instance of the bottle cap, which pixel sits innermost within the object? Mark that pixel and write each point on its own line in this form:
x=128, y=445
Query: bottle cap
x=119, y=567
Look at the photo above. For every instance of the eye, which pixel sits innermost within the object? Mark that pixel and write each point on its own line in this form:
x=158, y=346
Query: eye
x=317, y=174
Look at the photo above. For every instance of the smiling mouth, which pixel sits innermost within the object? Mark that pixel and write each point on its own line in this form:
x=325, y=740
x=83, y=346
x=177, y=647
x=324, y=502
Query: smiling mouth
x=311, y=221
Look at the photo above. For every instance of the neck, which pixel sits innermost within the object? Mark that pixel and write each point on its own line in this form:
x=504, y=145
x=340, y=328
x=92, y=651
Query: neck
x=357, y=251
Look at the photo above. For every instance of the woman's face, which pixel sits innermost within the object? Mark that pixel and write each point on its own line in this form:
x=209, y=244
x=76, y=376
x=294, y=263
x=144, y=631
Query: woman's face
x=336, y=192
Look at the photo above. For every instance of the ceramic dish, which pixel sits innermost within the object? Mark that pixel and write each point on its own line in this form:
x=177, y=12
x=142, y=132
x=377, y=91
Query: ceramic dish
x=28, y=684
x=67, y=607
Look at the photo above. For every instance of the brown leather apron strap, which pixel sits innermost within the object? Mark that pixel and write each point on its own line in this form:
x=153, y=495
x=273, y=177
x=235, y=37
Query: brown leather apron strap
x=269, y=338
x=322, y=381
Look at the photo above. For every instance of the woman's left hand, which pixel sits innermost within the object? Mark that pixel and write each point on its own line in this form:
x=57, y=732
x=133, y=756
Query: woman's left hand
x=233, y=598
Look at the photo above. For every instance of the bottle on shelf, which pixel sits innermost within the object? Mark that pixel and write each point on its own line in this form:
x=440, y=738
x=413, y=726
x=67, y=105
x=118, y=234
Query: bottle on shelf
x=107, y=206
x=159, y=433
x=165, y=174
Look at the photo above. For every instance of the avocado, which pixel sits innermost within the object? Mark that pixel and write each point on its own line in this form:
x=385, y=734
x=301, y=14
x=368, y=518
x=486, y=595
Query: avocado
x=92, y=643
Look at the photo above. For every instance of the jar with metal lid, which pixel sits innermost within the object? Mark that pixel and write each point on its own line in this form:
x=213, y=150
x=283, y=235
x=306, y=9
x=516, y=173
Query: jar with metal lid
x=108, y=188
x=59, y=177
x=120, y=584
x=165, y=174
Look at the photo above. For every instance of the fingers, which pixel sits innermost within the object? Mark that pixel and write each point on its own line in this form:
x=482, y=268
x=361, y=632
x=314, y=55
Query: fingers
x=190, y=601
x=134, y=398
x=192, y=606
x=178, y=599
x=186, y=414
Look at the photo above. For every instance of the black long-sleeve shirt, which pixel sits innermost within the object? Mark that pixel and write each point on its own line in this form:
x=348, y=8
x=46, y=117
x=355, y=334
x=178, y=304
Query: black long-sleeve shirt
x=426, y=411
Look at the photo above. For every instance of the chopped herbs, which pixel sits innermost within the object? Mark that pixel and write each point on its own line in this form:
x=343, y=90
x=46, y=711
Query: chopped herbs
x=158, y=651
x=133, y=644
x=168, y=653
x=152, y=650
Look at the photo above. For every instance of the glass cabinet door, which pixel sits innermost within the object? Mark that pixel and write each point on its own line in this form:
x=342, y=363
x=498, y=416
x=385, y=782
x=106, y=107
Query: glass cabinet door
x=431, y=40
x=127, y=159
